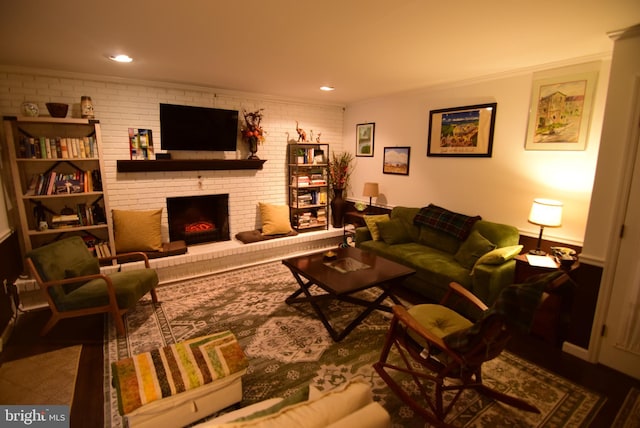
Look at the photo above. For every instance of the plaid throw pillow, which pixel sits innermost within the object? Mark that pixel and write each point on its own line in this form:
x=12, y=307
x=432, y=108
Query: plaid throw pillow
x=454, y=224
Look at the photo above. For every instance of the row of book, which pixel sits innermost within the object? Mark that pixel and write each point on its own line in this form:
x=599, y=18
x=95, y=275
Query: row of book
x=58, y=148
x=310, y=155
x=85, y=215
x=314, y=179
x=308, y=219
x=102, y=249
x=308, y=197
x=141, y=144
x=96, y=246
x=57, y=183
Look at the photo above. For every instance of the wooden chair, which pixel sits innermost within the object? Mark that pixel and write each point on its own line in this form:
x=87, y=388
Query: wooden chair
x=70, y=278
x=436, y=345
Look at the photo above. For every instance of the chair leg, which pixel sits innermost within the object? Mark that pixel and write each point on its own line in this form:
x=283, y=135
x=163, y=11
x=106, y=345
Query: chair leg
x=53, y=320
x=117, y=318
x=154, y=295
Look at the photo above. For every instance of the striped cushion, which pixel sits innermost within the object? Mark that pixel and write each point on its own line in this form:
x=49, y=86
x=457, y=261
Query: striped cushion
x=176, y=368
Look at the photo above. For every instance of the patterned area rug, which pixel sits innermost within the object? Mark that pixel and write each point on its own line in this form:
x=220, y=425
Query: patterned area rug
x=288, y=349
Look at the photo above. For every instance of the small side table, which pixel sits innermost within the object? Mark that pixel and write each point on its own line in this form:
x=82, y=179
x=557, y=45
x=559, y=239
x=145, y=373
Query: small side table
x=551, y=320
x=355, y=217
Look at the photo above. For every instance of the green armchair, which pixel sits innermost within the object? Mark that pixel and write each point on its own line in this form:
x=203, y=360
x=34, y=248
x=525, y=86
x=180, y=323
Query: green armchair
x=70, y=277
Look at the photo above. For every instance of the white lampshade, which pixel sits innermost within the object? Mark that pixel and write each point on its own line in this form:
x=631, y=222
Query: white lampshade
x=370, y=190
x=546, y=213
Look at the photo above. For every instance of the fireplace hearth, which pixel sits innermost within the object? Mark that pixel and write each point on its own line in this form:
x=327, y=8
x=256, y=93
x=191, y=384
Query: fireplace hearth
x=198, y=219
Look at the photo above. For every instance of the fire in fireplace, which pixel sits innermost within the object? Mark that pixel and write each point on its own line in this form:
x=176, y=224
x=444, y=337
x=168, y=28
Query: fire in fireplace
x=198, y=219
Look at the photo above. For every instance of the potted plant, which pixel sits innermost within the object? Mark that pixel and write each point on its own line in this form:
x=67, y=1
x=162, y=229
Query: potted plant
x=340, y=170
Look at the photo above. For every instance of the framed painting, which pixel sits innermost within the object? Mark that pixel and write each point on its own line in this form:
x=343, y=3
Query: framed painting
x=462, y=131
x=560, y=111
x=365, y=133
x=396, y=160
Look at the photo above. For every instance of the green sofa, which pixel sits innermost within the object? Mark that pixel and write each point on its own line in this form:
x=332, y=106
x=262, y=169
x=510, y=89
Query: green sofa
x=439, y=257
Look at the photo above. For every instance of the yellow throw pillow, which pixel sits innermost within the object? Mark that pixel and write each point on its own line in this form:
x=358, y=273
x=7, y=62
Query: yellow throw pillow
x=371, y=221
x=275, y=219
x=137, y=230
x=498, y=256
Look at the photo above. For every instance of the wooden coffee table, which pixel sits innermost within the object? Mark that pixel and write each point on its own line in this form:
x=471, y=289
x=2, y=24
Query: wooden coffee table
x=351, y=271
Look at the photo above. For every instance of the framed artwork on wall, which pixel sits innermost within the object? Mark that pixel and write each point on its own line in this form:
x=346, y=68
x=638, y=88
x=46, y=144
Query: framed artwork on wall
x=560, y=111
x=396, y=160
x=462, y=131
x=365, y=133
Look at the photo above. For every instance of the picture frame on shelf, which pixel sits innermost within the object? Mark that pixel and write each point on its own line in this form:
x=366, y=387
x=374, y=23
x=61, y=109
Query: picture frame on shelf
x=365, y=135
x=560, y=111
x=396, y=160
x=462, y=131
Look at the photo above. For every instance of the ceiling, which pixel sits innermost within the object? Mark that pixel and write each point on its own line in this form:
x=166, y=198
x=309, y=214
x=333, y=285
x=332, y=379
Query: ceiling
x=289, y=48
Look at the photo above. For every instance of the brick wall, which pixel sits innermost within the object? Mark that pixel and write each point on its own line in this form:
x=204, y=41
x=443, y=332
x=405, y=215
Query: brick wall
x=120, y=105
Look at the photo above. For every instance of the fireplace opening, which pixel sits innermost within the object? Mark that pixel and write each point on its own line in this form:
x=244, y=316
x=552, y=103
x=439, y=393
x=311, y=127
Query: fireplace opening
x=198, y=219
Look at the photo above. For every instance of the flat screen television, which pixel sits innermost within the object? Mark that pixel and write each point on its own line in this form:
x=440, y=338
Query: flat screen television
x=197, y=128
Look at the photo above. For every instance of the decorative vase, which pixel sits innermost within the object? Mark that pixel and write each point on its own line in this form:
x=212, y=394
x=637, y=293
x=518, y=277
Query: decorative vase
x=253, y=148
x=30, y=109
x=337, y=208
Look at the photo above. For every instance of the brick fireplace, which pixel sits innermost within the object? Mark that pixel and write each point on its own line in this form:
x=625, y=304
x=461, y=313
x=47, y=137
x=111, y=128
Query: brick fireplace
x=198, y=219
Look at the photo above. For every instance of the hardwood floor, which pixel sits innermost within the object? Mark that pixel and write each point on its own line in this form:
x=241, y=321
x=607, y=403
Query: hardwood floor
x=87, y=409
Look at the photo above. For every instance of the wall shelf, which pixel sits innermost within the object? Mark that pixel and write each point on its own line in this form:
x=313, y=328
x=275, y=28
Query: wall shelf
x=187, y=165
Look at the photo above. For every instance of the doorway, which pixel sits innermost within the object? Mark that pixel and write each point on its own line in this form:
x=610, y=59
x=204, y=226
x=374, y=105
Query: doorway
x=620, y=344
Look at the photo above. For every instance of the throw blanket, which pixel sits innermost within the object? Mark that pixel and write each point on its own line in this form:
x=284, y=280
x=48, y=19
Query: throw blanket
x=516, y=304
x=176, y=368
x=454, y=224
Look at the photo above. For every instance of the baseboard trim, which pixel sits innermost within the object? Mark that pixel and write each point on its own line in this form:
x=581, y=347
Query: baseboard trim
x=576, y=351
x=6, y=334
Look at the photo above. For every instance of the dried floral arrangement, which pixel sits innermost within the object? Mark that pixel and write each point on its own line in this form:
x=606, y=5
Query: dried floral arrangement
x=252, y=131
x=340, y=170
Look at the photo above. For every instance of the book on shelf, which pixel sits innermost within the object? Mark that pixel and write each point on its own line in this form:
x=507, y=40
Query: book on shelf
x=62, y=221
x=59, y=183
x=310, y=156
x=43, y=147
x=141, y=144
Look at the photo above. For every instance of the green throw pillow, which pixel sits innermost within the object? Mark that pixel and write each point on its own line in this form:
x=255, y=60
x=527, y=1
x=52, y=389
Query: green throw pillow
x=393, y=232
x=472, y=249
x=498, y=256
x=372, y=223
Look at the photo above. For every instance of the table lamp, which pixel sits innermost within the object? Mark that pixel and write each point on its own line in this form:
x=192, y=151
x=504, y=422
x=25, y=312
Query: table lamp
x=545, y=213
x=370, y=190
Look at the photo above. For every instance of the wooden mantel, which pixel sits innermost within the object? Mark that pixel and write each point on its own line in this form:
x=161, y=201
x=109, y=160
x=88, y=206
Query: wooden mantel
x=188, y=165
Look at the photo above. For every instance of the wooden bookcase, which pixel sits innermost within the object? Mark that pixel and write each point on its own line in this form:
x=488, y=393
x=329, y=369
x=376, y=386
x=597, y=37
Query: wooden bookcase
x=79, y=190
x=308, y=186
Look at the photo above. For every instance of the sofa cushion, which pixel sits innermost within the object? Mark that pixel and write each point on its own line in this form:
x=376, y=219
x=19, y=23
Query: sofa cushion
x=472, y=249
x=137, y=230
x=130, y=286
x=439, y=240
x=393, y=232
x=452, y=223
x=372, y=223
x=432, y=266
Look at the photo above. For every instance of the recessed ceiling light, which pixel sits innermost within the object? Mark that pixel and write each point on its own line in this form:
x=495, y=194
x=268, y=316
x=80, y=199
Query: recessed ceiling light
x=121, y=58
x=327, y=88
